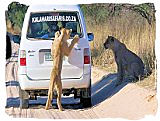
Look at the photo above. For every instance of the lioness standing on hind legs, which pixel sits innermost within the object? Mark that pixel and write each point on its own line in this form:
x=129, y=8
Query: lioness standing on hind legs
x=59, y=49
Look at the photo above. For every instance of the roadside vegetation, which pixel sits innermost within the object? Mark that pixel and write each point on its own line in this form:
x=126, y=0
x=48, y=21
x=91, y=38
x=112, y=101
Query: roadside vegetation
x=134, y=25
x=15, y=16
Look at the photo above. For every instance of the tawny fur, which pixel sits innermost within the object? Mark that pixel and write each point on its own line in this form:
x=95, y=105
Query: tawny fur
x=59, y=49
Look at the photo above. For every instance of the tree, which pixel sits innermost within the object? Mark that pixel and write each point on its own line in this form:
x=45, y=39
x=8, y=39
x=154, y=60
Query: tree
x=15, y=14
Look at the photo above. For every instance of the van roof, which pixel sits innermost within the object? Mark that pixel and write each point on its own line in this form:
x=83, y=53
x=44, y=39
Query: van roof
x=38, y=8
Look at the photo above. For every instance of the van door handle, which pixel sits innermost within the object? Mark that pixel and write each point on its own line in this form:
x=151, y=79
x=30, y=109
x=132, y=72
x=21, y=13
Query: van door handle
x=31, y=51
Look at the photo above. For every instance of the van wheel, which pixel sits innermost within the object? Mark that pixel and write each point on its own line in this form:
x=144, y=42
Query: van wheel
x=86, y=102
x=24, y=99
x=85, y=98
x=24, y=103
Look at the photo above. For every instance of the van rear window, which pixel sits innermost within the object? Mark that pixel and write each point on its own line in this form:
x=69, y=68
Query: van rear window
x=44, y=25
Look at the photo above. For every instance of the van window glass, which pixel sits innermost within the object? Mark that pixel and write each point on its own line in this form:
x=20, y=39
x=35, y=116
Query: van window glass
x=44, y=25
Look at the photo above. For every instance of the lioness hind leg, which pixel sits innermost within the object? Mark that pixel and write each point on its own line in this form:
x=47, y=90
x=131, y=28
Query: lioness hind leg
x=51, y=87
x=135, y=71
x=49, y=100
x=59, y=93
x=50, y=96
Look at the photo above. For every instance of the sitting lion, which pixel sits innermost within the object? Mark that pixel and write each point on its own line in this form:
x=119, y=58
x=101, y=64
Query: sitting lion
x=128, y=63
x=59, y=49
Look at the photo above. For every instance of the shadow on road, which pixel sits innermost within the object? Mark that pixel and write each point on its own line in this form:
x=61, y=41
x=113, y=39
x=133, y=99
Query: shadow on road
x=67, y=103
x=105, y=88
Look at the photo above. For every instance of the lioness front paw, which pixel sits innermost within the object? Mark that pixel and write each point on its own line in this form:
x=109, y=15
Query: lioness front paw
x=76, y=36
x=76, y=39
x=57, y=34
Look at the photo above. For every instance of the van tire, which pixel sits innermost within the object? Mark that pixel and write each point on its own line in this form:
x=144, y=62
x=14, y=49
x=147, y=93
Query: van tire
x=24, y=99
x=24, y=103
x=86, y=100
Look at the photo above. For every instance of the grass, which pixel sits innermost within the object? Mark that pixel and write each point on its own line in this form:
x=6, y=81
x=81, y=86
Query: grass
x=149, y=82
x=135, y=32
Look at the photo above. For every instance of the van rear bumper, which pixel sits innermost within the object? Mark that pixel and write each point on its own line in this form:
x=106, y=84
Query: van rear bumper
x=27, y=84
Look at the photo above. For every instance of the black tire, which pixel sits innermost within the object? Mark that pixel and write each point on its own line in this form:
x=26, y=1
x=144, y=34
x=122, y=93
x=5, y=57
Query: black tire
x=86, y=101
x=24, y=99
x=24, y=103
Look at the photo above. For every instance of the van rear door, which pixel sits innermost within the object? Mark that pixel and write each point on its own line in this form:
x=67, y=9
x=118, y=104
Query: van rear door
x=39, y=62
x=42, y=27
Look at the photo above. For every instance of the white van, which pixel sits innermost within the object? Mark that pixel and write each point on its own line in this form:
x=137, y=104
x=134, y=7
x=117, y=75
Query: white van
x=35, y=62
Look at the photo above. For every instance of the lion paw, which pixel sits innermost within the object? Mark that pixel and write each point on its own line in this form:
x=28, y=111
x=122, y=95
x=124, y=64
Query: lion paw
x=57, y=34
x=76, y=39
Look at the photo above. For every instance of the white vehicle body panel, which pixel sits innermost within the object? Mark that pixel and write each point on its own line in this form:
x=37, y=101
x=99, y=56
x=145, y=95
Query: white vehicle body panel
x=36, y=73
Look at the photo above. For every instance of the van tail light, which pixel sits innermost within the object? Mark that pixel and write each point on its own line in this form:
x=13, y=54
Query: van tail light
x=86, y=56
x=22, y=58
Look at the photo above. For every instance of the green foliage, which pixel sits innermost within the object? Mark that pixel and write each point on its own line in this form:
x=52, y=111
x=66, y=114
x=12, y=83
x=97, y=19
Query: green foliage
x=100, y=12
x=146, y=10
x=146, y=7
x=117, y=9
x=97, y=12
x=16, y=13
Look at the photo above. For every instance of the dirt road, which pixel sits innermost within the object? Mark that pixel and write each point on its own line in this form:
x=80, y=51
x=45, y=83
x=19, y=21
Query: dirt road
x=127, y=100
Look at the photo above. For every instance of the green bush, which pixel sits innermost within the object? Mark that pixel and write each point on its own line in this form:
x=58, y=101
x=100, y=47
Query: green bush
x=16, y=13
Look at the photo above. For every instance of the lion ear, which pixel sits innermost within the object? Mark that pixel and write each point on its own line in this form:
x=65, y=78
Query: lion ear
x=112, y=39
